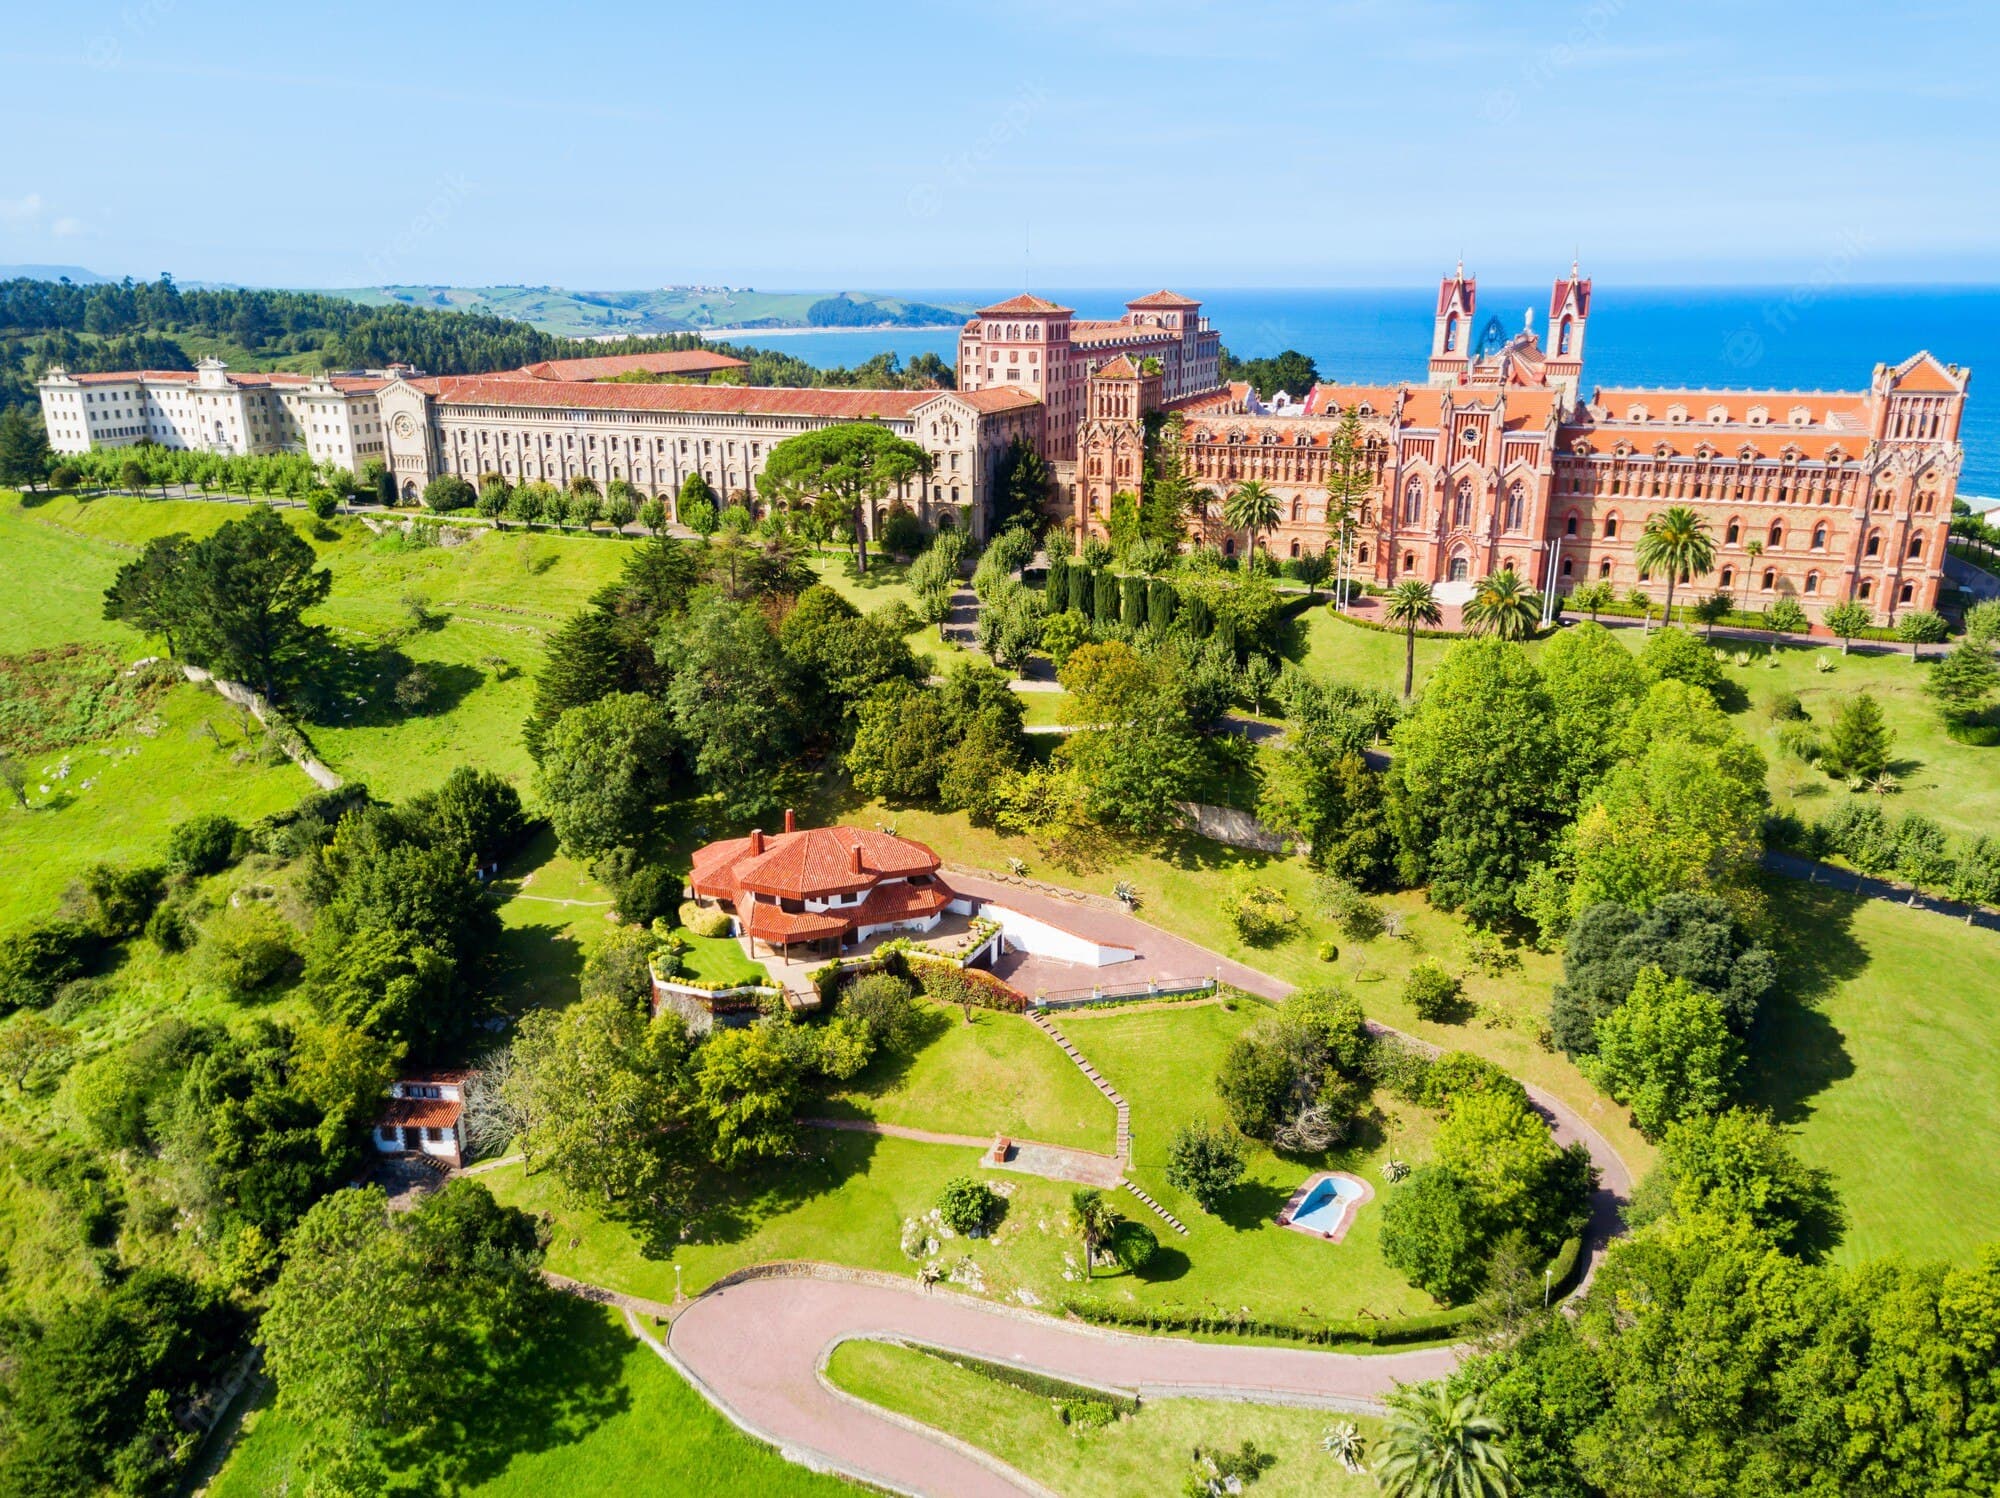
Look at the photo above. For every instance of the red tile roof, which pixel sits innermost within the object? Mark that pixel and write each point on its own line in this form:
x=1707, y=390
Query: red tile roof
x=1922, y=373
x=1024, y=303
x=1120, y=368
x=835, y=405
x=1164, y=299
x=679, y=361
x=995, y=398
x=419, y=1113
x=817, y=864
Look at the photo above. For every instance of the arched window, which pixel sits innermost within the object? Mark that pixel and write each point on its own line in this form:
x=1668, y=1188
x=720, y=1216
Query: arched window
x=1361, y=554
x=1450, y=335
x=1569, y=525
x=1819, y=538
x=1562, y=338
x=1461, y=503
x=1770, y=579
x=1728, y=576
x=1409, y=562
x=1916, y=547
x=1733, y=534
x=1516, y=505
x=1604, y=568
x=1812, y=582
x=1229, y=546
x=1874, y=547
x=1867, y=588
x=1611, y=527
x=1777, y=535
x=1413, y=504
x=1909, y=593
x=1295, y=545
x=1298, y=512
x=1567, y=567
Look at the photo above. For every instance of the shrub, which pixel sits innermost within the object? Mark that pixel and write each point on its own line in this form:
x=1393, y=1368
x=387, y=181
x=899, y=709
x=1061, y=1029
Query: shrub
x=902, y=533
x=1261, y=913
x=643, y=888
x=247, y=950
x=1788, y=617
x=1133, y=1245
x=37, y=961
x=171, y=929
x=617, y=967
x=415, y=688
x=1358, y=917
x=202, y=844
x=882, y=1003
x=1430, y=1231
x=1785, y=707
x=1205, y=1161
x=967, y=1204
x=117, y=900
x=948, y=983
x=1431, y=991
x=1329, y=952
x=1455, y=1074
x=704, y=920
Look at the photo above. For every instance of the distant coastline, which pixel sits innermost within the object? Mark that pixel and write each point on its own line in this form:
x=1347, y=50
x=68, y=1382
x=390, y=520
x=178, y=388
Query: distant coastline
x=796, y=331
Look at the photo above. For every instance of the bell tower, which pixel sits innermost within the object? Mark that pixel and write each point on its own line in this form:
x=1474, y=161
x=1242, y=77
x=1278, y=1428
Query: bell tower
x=1569, y=310
x=1453, y=334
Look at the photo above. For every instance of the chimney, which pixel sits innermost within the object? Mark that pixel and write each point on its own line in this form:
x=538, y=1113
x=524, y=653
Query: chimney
x=857, y=859
x=790, y=825
x=756, y=840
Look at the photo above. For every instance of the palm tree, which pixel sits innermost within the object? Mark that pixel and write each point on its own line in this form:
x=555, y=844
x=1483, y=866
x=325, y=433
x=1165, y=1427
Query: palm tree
x=1502, y=604
x=1092, y=1220
x=1410, y=604
x=1676, y=540
x=1251, y=507
x=1438, y=1447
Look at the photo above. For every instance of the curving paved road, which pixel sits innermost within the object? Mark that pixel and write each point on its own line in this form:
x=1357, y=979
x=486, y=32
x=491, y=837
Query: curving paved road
x=755, y=1349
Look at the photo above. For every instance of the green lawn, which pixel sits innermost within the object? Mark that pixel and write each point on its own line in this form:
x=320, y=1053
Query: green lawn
x=1048, y=709
x=1164, y=1061
x=721, y=959
x=884, y=583
x=1889, y=1068
x=122, y=794
x=1957, y=784
x=1147, y=1452
x=617, y=1419
x=848, y=1200
x=997, y=1074
x=1180, y=880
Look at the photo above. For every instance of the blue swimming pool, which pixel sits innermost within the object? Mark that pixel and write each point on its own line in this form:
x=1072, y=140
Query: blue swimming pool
x=1327, y=1204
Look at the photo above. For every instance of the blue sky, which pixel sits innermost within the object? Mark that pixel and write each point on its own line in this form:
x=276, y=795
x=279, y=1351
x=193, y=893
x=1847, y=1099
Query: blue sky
x=1108, y=142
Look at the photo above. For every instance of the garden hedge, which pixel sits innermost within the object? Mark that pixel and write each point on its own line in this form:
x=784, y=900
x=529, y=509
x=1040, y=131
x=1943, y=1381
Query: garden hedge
x=1029, y=1381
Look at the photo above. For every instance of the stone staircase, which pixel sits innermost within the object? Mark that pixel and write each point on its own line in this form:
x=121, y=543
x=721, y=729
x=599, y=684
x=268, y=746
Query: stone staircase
x=1165, y=1216
x=1048, y=1028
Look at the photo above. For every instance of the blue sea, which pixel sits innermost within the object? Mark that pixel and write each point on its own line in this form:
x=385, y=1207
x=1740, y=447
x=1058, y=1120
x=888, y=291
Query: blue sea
x=1773, y=337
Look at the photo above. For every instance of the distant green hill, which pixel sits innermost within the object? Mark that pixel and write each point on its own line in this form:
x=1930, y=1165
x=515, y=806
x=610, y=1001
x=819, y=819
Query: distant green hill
x=672, y=309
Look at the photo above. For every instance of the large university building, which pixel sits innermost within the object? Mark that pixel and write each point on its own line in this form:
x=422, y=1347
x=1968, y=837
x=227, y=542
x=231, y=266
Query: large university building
x=528, y=427
x=332, y=418
x=1028, y=344
x=1502, y=460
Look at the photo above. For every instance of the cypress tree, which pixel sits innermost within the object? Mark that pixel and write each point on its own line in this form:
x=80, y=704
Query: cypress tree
x=1160, y=603
x=1104, y=605
x=1055, y=592
x=1079, y=589
x=1132, y=606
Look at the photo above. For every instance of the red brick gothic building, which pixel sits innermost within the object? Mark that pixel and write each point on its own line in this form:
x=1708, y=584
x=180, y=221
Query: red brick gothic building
x=1502, y=460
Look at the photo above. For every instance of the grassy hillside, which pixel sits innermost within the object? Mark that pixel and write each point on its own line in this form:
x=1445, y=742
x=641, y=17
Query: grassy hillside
x=671, y=309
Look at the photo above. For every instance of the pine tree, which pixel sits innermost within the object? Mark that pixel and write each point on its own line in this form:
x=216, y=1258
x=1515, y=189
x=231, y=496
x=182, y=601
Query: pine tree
x=1858, y=742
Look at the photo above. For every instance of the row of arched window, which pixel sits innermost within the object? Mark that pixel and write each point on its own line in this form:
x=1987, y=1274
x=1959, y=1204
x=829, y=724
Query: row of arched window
x=1513, y=509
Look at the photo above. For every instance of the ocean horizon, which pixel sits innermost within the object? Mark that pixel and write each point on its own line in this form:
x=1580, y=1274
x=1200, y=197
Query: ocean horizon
x=1799, y=337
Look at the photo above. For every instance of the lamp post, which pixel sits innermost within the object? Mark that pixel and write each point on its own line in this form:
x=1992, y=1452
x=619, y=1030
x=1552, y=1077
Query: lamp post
x=677, y=1287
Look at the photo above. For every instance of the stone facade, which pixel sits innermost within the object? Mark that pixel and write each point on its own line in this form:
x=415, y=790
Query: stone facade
x=531, y=427
x=1027, y=343
x=331, y=418
x=1499, y=461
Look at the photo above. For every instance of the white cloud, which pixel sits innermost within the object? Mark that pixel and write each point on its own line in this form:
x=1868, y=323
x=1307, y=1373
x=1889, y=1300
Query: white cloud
x=21, y=210
x=66, y=228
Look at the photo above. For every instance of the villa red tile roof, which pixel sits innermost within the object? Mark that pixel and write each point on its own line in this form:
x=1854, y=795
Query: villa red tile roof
x=994, y=399
x=1164, y=299
x=1120, y=368
x=835, y=405
x=678, y=361
x=1024, y=303
x=819, y=863
x=419, y=1113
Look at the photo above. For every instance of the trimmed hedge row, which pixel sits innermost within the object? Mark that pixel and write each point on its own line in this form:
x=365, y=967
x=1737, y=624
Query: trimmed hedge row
x=948, y=983
x=1029, y=1381
x=1426, y=1327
